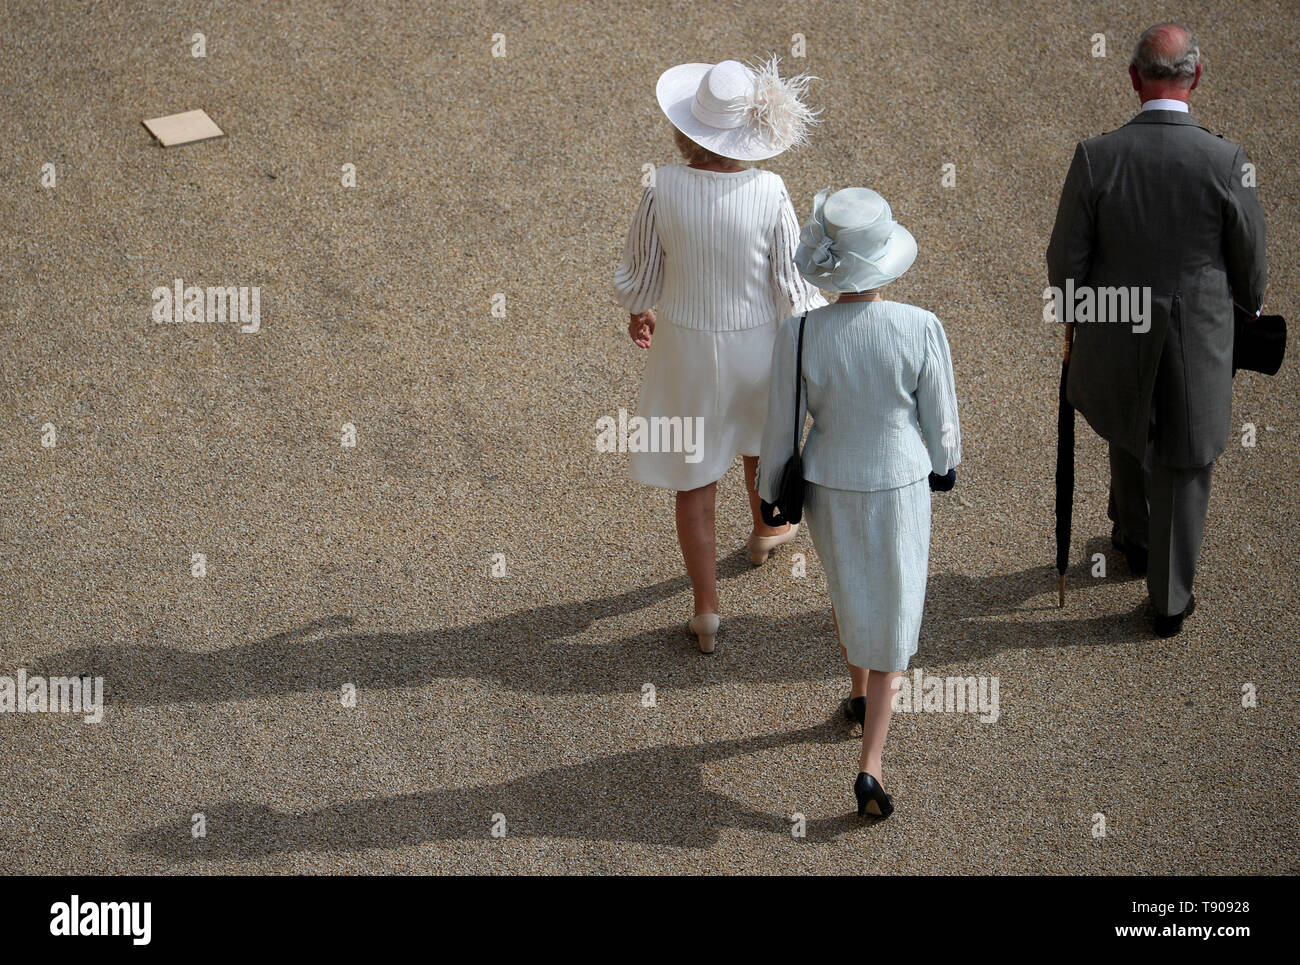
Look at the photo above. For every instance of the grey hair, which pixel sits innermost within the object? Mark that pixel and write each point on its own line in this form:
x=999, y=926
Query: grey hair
x=1156, y=64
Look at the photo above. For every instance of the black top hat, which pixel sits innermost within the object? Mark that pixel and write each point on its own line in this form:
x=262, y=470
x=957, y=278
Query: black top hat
x=1259, y=343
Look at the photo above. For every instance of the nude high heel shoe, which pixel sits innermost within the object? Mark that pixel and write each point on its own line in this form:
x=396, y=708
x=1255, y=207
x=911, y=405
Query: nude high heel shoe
x=760, y=547
x=705, y=628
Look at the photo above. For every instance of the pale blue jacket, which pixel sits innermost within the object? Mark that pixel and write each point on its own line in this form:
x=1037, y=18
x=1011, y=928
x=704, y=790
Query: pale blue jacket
x=878, y=384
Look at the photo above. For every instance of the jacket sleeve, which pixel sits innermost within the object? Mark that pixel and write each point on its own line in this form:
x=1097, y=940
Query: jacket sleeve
x=779, y=429
x=791, y=289
x=1069, y=253
x=936, y=401
x=1243, y=239
x=638, y=283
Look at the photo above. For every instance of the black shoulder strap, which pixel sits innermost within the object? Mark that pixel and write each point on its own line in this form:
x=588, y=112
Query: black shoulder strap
x=798, y=381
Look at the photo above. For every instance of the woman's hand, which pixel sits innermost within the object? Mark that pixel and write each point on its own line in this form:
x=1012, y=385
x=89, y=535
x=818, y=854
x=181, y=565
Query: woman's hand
x=641, y=328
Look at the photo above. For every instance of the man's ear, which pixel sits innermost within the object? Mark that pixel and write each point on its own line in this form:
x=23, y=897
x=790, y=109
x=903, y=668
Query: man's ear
x=1197, y=78
x=1137, y=79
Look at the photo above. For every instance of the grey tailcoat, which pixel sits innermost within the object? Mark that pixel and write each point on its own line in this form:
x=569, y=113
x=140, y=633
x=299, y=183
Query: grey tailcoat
x=1160, y=203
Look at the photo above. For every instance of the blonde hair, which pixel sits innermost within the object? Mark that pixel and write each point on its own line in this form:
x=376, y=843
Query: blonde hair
x=698, y=154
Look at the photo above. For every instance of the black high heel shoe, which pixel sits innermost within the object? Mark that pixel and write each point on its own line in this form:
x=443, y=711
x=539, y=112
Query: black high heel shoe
x=872, y=799
x=855, y=710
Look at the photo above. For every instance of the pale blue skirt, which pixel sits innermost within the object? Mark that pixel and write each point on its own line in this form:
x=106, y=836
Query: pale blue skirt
x=875, y=550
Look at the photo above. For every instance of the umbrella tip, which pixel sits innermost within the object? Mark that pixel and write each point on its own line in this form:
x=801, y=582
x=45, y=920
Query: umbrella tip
x=1060, y=587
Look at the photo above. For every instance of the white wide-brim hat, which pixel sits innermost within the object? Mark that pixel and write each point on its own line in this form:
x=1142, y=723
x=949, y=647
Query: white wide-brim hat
x=736, y=111
x=852, y=242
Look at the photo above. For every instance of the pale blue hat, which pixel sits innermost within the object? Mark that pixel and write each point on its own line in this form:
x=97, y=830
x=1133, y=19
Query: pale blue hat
x=852, y=242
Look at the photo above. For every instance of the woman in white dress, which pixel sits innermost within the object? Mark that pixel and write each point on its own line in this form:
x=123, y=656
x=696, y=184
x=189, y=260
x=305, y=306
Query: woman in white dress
x=878, y=383
x=712, y=245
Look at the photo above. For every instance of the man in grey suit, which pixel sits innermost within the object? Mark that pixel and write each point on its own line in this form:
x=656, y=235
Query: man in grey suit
x=1158, y=233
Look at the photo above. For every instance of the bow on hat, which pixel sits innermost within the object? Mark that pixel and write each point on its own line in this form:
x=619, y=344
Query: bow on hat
x=821, y=251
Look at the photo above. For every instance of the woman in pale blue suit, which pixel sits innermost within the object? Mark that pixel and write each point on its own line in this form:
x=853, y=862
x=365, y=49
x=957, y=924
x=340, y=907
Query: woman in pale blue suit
x=878, y=383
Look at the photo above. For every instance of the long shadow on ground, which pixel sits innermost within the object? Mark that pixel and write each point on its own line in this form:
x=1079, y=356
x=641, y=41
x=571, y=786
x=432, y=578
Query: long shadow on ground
x=538, y=650
x=654, y=796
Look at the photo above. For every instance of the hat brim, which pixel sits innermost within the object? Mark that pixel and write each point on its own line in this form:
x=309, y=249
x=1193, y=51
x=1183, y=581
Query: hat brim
x=861, y=275
x=675, y=93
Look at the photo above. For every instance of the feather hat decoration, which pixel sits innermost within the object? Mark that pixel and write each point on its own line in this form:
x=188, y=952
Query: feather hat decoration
x=777, y=104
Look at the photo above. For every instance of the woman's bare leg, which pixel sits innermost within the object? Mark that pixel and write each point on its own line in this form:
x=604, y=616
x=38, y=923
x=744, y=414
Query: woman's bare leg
x=880, y=707
x=755, y=504
x=695, y=532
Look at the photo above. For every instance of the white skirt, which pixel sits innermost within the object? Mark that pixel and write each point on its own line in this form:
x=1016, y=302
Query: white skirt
x=717, y=381
x=875, y=550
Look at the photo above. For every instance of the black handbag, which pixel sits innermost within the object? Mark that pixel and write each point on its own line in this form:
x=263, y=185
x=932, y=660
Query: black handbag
x=789, y=479
x=1258, y=344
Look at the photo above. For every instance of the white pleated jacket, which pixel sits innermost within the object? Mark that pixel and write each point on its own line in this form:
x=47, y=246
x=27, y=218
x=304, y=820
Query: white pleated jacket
x=714, y=250
x=878, y=384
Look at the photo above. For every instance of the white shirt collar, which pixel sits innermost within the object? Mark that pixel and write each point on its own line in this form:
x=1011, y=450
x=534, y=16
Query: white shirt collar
x=1166, y=104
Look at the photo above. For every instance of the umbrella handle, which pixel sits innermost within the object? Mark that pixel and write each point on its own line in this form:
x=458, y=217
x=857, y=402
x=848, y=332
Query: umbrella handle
x=1069, y=344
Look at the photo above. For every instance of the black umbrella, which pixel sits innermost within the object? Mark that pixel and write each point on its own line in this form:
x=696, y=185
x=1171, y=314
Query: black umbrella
x=1064, y=470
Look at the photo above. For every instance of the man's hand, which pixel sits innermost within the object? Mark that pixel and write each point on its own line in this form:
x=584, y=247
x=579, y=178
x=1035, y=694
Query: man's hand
x=641, y=328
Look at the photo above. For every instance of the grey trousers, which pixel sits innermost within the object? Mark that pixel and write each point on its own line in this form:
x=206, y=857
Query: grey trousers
x=1163, y=509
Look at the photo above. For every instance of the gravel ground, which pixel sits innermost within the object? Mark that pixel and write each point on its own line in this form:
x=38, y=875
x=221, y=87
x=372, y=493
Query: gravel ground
x=372, y=566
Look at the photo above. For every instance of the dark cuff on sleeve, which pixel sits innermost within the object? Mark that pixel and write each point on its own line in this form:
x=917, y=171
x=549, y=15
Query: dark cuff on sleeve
x=941, y=484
